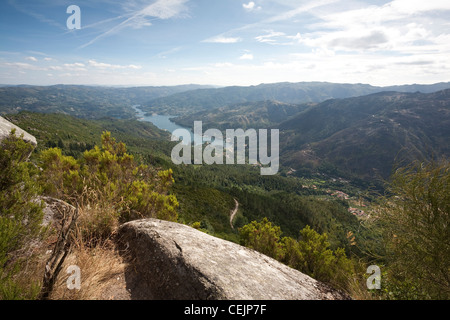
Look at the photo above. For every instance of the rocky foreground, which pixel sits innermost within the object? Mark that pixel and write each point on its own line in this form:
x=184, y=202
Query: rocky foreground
x=175, y=261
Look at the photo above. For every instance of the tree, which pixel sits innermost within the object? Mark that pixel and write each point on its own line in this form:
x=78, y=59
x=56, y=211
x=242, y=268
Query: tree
x=416, y=223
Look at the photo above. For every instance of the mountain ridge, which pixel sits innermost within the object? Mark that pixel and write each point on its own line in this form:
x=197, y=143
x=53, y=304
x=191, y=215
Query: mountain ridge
x=286, y=92
x=367, y=135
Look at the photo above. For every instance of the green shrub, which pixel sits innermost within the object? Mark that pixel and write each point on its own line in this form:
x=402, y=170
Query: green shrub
x=263, y=237
x=416, y=223
x=20, y=214
x=311, y=254
x=108, y=184
x=319, y=261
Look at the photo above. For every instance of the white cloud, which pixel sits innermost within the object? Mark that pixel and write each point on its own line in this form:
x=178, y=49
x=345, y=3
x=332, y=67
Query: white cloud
x=102, y=65
x=246, y=56
x=417, y=6
x=76, y=64
x=400, y=41
x=372, y=40
x=400, y=27
x=251, y=6
x=223, y=65
x=164, y=9
x=132, y=66
x=326, y=65
x=270, y=37
x=222, y=39
x=22, y=65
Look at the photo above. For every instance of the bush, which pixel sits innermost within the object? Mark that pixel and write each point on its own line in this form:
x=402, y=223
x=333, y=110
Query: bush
x=311, y=254
x=263, y=237
x=20, y=215
x=108, y=186
x=416, y=223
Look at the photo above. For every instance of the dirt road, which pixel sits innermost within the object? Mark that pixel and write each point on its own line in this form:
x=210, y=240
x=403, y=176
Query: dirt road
x=233, y=213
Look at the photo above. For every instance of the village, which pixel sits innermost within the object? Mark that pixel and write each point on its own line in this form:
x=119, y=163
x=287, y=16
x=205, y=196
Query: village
x=357, y=206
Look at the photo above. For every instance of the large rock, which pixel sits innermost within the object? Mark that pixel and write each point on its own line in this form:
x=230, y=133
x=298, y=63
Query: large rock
x=175, y=261
x=5, y=129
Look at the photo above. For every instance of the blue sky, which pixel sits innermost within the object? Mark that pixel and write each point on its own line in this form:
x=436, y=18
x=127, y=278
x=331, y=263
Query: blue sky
x=225, y=42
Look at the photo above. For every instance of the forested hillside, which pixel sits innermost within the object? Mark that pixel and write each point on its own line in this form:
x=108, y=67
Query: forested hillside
x=256, y=115
x=81, y=101
x=368, y=136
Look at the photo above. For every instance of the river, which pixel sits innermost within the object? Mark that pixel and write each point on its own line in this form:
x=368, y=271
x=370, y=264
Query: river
x=163, y=122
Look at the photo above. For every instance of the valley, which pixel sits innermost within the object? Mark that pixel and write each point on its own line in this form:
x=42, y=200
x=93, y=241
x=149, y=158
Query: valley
x=335, y=158
x=225, y=150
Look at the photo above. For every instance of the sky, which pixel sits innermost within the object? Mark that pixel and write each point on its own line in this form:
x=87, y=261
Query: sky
x=224, y=42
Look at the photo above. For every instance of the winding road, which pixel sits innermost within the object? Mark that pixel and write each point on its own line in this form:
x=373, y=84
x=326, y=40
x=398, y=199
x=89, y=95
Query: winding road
x=233, y=213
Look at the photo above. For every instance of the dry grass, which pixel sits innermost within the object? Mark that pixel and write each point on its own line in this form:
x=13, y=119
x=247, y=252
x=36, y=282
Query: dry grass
x=102, y=267
x=102, y=273
x=357, y=289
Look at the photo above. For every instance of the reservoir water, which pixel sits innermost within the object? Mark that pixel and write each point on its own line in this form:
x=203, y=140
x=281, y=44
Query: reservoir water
x=163, y=122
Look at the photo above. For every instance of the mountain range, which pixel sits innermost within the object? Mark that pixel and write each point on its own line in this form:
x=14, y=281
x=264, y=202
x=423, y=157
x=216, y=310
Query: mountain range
x=366, y=136
x=188, y=102
x=350, y=129
x=369, y=135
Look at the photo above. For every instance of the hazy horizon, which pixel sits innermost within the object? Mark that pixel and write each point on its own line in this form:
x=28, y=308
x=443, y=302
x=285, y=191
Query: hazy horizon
x=206, y=86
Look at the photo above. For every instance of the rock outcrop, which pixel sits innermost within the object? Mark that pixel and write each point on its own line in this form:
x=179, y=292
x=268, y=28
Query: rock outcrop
x=175, y=261
x=5, y=129
x=55, y=210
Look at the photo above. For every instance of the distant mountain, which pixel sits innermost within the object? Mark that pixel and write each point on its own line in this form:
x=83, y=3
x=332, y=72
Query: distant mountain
x=192, y=101
x=91, y=102
x=366, y=136
x=261, y=114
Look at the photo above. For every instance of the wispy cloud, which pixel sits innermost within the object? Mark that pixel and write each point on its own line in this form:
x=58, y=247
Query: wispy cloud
x=164, y=54
x=222, y=39
x=102, y=65
x=285, y=16
x=143, y=16
x=23, y=66
x=307, y=7
x=269, y=37
x=91, y=66
x=36, y=15
x=246, y=56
